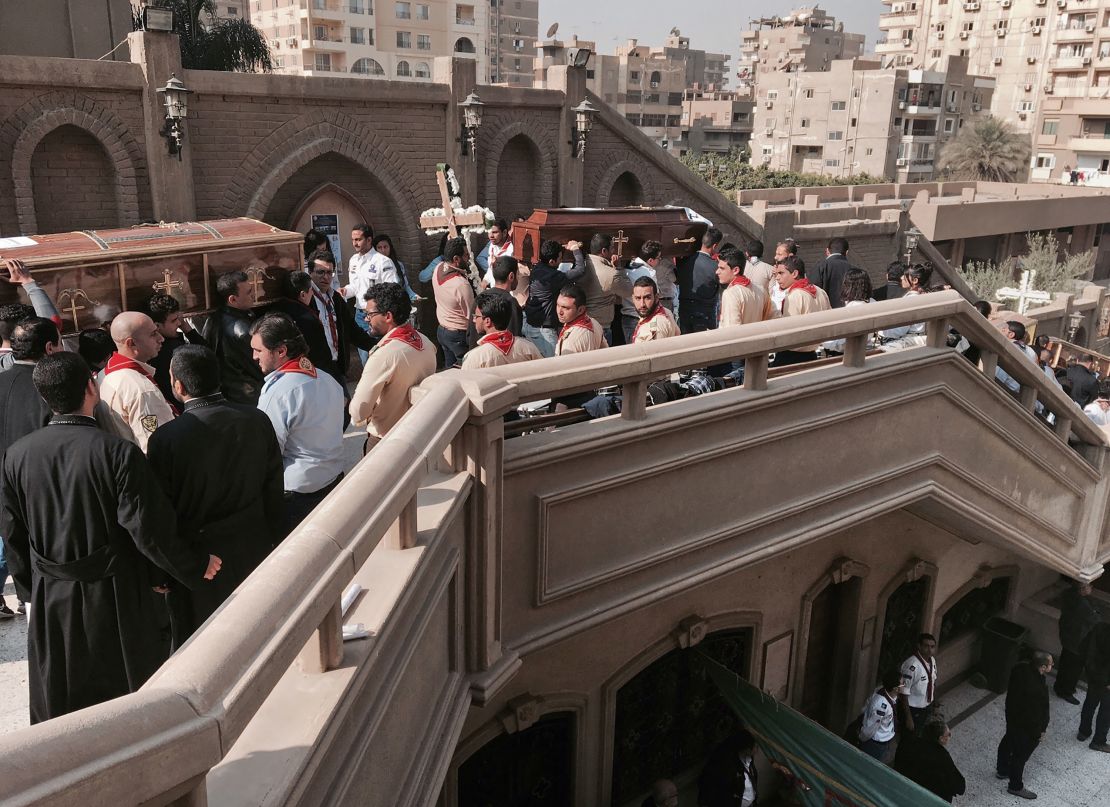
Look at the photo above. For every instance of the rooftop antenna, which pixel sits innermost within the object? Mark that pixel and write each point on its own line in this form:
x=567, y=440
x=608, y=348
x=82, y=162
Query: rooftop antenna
x=554, y=29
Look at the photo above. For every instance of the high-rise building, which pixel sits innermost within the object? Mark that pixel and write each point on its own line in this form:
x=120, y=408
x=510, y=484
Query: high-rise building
x=373, y=38
x=805, y=40
x=651, y=86
x=857, y=117
x=1050, y=59
x=514, y=27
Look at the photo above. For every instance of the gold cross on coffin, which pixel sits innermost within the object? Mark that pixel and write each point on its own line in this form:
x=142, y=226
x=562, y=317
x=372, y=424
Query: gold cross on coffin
x=257, y=278
x=619, y=240
x=168, y=284
x=450, y=219
x=73, y=295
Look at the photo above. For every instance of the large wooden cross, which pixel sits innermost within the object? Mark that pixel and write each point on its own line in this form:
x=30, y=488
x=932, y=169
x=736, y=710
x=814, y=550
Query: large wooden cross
x=450, y=218
x=1024, y=294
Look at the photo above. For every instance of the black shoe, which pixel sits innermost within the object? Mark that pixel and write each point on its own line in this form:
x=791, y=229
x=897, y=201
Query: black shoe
x=1083, y=736
x=1103, y=747
x=21, y=608
x=1069, y=698
x=1024, y=793
x=6, y=612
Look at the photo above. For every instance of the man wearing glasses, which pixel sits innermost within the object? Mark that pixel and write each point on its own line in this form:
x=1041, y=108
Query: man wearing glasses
x=340, y=329
x=402, y=359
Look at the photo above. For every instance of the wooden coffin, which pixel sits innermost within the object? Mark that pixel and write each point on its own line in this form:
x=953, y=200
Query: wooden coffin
x=630, y=227
x=93, y=275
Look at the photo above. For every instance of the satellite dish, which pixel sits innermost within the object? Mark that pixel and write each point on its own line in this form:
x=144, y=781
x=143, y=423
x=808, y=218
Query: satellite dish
x=676, y=32
x=554, y=29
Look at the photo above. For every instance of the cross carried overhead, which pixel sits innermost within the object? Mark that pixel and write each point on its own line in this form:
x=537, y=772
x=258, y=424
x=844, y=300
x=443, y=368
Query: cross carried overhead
x=1024, y=294
x=452, y=217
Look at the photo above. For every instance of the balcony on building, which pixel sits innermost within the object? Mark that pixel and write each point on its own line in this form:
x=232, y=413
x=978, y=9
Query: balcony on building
x=1058, y=63
x=899, y=19
x=464, y=46
x=325, y=9
x=464, y=15
x=893, y=45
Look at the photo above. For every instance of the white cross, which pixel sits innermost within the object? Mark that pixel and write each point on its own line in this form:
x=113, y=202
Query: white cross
x=1025, y=293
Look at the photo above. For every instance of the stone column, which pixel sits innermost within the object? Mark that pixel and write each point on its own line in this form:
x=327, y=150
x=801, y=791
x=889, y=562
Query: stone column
x=572, y=83
x=461, y=77
x=171, y=179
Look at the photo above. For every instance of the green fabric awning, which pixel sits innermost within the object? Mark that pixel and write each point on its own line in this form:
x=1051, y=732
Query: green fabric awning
x=836, y=773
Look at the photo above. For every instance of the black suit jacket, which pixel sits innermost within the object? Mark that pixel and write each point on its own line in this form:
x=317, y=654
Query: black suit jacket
x=1084, y=384
x=228, y=333
x=1027, y=701
x=829, y=275
x=931, y=766
x=347, y=331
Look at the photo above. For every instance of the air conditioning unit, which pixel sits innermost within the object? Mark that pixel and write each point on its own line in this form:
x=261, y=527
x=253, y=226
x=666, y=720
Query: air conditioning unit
x=897, y=8
x=1048, y=89
x=1061, y=3
x=976, y=107
x=1031, y=59
x=901, y=104
x=998, y=60
x=292, y=43
x=1029, y=88
x=1086, y=60
x=906, y=43
x=901, y=162
x=964, y=34
x=1001, y=32
x=770, y=104
x=940, y=34
x=953, y=108
x=1005, y=3
x=1090, y=29
x=1023, y=115
x=1035, y=30
x=971, y=6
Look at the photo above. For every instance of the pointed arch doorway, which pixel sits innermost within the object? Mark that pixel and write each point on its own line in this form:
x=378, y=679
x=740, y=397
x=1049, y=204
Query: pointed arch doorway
x=331, y=200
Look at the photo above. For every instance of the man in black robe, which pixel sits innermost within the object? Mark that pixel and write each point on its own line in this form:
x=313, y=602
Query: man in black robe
x=228, y=332
x=221, y=466
x=176, y=332
x=22, y=409
x=87, y=533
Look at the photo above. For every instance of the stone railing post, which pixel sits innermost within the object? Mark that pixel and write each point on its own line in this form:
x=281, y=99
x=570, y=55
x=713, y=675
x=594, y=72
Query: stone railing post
x=171, y=179
x=324, y=651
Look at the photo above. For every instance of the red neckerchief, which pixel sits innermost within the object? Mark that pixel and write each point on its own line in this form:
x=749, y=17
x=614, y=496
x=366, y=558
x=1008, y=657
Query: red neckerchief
x=502, y=340
x=442, y=276
x=299, y=365
x=329, y=312
x=118, y=362
x=739, y=280
x=802, y=284
x=929, y=675
x=582, y=322
x=645, y=320
x=407, y=334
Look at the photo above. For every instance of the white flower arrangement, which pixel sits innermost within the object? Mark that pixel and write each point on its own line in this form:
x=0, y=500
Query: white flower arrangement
x=459, y=210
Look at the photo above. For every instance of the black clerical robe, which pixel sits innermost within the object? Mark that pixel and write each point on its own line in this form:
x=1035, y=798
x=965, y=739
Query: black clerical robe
x=87, y=534
x=221, y=466
x=161, y=362
x=22, y=409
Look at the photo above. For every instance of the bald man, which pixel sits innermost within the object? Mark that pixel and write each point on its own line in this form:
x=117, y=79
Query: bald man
x=128, y=385
x=664, y=793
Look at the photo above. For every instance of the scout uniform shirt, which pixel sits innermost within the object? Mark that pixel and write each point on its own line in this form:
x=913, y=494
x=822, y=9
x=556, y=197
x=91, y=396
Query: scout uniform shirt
x=743, y=302
x=919, y=681
x=496, y=349
x=878, y=718
x=802, y=297
x=585, y=333
x=659, y=324
x=400, y=361
x=128, y=388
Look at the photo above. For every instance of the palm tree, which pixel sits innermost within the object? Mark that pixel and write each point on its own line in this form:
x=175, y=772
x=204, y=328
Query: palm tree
x=989, y=150
x=209, y=42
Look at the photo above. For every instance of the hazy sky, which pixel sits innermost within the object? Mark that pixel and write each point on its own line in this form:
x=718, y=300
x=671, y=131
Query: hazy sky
x=712, y=25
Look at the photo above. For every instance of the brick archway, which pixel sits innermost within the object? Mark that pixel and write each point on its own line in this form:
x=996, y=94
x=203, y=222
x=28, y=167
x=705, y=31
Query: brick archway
x=292, y=146
x=495, y=147
x=35, y=120
x=608, y=180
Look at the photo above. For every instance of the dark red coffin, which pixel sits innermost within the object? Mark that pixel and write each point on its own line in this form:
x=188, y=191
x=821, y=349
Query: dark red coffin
x=630, y=227
x=92, y=275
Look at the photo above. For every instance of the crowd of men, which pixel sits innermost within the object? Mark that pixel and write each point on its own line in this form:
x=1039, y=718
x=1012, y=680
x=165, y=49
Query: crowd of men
x=149, y=469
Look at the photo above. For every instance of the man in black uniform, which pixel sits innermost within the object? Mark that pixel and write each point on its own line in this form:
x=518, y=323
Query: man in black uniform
x=22, y=409
x=698, y=286
x=1084, y=383
x=87, y=533
x=221, y=466
x=1077, y=616
x=228, y=333
x=829, y=273
x=1026, y=720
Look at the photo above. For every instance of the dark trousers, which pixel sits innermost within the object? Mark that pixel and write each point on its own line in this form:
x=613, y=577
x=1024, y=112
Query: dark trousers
x=787, y=357
x=299, y=505
x=1098, y=699
x=454, y=346
x=692, y=319
x=628, y=326
x=1067, y=672
x=920, y=718
x=1013, y=752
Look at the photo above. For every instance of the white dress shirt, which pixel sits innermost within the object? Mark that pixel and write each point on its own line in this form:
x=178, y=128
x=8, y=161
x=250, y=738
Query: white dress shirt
x=364, y=270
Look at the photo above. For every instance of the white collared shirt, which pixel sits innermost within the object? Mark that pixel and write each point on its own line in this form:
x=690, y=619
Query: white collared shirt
x=915, y=681
x=364, y=271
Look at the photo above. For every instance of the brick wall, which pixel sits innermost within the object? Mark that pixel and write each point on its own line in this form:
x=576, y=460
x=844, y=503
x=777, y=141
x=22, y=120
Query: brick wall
x=73, y=182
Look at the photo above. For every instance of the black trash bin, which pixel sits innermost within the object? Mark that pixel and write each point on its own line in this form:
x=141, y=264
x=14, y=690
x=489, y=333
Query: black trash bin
x=1002, y=641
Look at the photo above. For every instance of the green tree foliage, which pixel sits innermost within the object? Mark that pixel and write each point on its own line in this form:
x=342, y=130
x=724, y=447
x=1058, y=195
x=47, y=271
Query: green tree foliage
x=988, y=150
x=733, y=172
x=212, y=43
x=1042, y=256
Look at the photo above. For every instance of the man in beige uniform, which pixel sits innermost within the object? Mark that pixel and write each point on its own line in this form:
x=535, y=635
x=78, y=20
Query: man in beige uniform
x=742, y=301
x=801, y=297
x=400, y=361
x=580, y=332
x=605, y=285
x=128, y=385
x=656, y=322
x=498, y=345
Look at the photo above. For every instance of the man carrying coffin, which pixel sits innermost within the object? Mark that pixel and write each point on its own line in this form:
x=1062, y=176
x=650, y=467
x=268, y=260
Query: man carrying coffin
x=221, y=466
x=87, y=532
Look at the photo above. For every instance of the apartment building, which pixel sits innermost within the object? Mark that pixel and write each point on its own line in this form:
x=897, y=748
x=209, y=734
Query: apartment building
x=650, y=85
x=513, y=33
x=805, y=40
x=858, y=117
x=714, y=121
x=395, y=40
